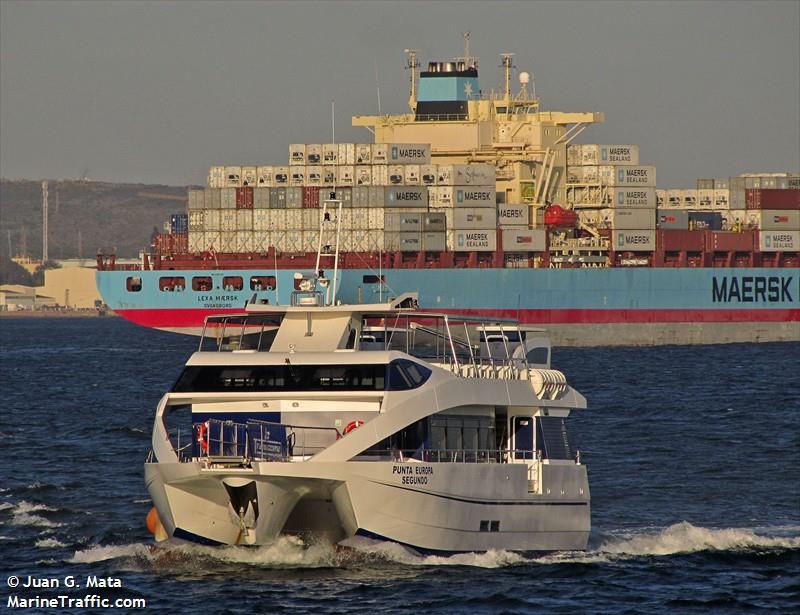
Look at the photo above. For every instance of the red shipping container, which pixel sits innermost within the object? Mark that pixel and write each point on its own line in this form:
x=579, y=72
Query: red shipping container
x=721, y=241
x=680, y=240
x=310, y=198
x=244, y=198
x=772, y=198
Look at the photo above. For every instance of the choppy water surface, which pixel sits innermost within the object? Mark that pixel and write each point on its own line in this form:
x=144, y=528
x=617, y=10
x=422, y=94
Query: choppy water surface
x=694, y=466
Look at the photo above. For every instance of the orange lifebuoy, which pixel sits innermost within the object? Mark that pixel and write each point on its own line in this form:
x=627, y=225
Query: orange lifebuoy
x=351, y=426
x=202, y=437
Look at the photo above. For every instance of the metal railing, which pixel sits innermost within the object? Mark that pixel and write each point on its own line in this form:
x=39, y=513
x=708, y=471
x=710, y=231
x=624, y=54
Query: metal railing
x=464, y=455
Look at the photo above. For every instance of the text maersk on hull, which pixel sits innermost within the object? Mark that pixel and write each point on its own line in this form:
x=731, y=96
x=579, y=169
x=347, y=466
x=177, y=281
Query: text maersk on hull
x=751, y=289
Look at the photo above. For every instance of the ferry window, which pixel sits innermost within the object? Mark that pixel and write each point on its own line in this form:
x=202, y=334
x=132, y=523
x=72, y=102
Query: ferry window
x=232, y=282
x=374, y=279
x=171, y=284
x=551, y=438
x=485, y=526
x=404, y=375
x=202, y=283
x=437, y=441
x=494, y=526
x=471, y=430
x=263, y=282
x=538, y=355
x=454, y=440
x=133, y=284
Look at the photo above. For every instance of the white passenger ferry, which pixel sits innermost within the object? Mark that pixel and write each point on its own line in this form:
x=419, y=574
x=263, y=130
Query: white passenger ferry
x=442, y=433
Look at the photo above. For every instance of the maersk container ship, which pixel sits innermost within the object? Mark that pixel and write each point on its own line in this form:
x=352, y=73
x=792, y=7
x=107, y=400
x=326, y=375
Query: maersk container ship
x=481, y=203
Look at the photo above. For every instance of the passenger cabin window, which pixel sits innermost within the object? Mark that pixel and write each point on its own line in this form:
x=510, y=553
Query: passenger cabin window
x=374, y=279
x=232, y=282
x=404, y=375
x=263, y=282
x=133, y=284
x=202, y=283
x=540, y=356
x=551, y=438
x=171, y=284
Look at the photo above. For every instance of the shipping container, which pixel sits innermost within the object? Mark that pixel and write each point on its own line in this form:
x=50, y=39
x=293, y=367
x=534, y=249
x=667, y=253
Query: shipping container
x=412, y=174
x=310, y=219
x=380, y=175
x=380, y=153
x=297, y=176
x=644, y=198
x=249, y=176
x=705, y=220
x=294, y=219
x=297, y=154
x=406, y=196
x=265, y=176
x=179, y=224
x=574, y=155
x=634, y=240
x=309, y=240
x=345, y=195
x=347, y=154
x=723, y=241
x=397, y=174
x=661, y=198
x=245, y=242
x=196, y=241
x=721, y=198
x=773, y=199
x=524, y=240
x=277, y=221
x=631, y=218
x=705, y=199
x=467, y=218
x=261, y=219
x=409, y=153
x=228, y=198
x=345, y=174
x=673, y=219
x=227, y=242
x=233, y=177
x=244, y=198
x=721, y=184
x=513, y=215
x=434, y=241
x=262, y=240
x=212, y=241
x=475, y=196
x=294, y=198
x=216, y=177
x=211, y=220
x=196, y=220
x=311, y=197
x=428, y=174
x=434, y=222
x=261, y=198
x=674, y=199
x=244, y=219
x=197, y=199
x=377, y=196
x=329, y=176
x=313, y=175
x=277, y=198
x=363, y=175
x=774, y=219
x=733, y=219
x=364, y=153
x=402, y=221
x=779, y=241
x=635, y=176
x=618, y=154
x=227, y=220
x=281, y=177
x=375, y=219
x=330, y=153
x=689, y=198
x=314, y=154
x=472, y=240
x=705, y=184
x=674, y=240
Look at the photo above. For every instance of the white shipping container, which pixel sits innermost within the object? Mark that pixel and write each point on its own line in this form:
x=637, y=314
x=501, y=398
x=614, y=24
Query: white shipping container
x=674, y=199
x=310, y=219
x=294, y=220
x=211, y=241
x=574, y=174
x=466, y=218
x=345, y=174
x=472, y=240
x=574, y=155
x=277, y=220
x=363, y=153
x=779, y=241
x=380, y=153
x=632, y=218
x=328, y=176
x=313, y=154
x=244, y=219
x=661, y=198
x=397, y=174
x=330, y=153
x=513, y=215
x=428, y=174
x=524, y=240
x=721, y=198
x=261, y=219
x=262, y=241
x=618, y=154
x=410, y=153
x=634, y=197
x=474, y=196
x=227, y=220
x=195, y=240
x=261, y=198
x=347, y=153
x=281, y=177
x=641, y=240
x=197, y=199
x=590, y=154
x=375, y=219
x=380, y=175
x=227, y=198
x=406, y=196
x=314, y=175
x=297, y=175
x=249, y=176
x=689, y=198
x=297, y=154
x=310, y=241
x=233, y=177
x=197, y=220
x=227, y=241
x=216, y=177
x=211, y=220
x=265, y=176
x=705, y=199
x=294, y=198
x=245, y=241
x=363, y=175
x=635, y=176
x=412, y=174
x=359, y=218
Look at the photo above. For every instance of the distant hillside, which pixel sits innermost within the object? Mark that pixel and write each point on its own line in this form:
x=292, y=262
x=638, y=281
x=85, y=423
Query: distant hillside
x=84, y=216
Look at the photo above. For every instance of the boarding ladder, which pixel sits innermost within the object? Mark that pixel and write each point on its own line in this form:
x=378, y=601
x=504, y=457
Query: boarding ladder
x=330, y=227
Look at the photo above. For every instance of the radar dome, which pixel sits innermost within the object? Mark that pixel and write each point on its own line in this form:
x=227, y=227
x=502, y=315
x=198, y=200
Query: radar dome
x=524, y=78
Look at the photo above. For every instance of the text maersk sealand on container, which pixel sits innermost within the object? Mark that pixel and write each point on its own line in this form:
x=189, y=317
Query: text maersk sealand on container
x=779, y=241
x=635, y=176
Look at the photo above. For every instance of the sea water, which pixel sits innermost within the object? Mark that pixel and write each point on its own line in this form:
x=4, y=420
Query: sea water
x=693, y=455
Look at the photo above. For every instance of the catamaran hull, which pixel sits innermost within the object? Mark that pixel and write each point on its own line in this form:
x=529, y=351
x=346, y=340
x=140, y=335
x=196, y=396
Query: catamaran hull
x=438, y=508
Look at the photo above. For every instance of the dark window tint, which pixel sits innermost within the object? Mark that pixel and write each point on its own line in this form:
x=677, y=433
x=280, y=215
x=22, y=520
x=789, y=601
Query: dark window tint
x=232, y=282
x=538, y=355
x=133, y=284
x=404, y=375
x=374, y=279
x=202, y=283
x=263, y=282
x=171, y=284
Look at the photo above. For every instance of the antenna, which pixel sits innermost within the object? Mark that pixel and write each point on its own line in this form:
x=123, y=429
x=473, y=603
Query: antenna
x=413, y=64
x=377, y=85
x=44, y=221
x=507, y=64
x=333, y=121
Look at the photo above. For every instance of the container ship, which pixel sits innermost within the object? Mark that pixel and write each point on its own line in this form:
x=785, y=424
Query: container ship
x=485, y=204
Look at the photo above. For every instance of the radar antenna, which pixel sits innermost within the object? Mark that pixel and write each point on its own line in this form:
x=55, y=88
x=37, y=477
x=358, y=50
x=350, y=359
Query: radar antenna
x=413, y=64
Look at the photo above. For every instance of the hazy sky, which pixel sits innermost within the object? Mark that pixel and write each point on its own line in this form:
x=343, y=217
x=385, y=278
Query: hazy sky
x=160, y=91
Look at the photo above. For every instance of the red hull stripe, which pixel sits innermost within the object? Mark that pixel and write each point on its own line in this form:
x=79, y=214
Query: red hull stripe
x=185, y=318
